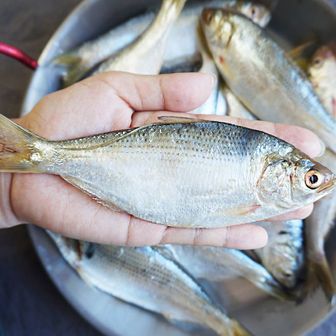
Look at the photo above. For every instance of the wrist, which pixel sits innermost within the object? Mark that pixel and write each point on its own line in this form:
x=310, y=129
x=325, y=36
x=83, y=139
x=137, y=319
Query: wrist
x=7, y=215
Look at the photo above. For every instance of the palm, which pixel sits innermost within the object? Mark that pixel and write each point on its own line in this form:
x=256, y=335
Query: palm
x=102, y=104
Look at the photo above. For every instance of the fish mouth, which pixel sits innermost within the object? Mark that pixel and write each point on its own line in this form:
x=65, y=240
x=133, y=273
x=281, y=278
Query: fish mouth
x=328, y=185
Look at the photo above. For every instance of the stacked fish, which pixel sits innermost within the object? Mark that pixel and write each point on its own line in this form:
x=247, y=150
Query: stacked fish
x=232, y=44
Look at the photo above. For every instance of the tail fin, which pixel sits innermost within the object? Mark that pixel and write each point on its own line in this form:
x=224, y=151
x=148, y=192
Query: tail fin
x=17, y=148
x=225, y=326
x=238, y=330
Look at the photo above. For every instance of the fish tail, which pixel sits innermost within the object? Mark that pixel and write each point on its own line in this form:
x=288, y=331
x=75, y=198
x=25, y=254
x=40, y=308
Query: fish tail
x=74, y=69
x=275, y=289
x=320, y=267
x=177, y=5
x=224, y=326
x=18, y=152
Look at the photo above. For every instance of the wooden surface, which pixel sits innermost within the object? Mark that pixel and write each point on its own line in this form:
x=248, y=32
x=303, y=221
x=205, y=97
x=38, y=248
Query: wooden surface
x=29, y=303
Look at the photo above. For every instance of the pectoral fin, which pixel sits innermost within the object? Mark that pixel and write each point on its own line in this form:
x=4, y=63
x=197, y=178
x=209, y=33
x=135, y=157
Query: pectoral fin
x=242, y=211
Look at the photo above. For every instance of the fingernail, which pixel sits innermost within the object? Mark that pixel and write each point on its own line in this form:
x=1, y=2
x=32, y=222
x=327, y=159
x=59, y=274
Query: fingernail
x=214, y=79
x=323, y=148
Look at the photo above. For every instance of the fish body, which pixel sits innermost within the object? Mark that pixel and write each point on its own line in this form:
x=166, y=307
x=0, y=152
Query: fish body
x=284, y=255
x=317, y=228
x=322, y=73
x=243, y=175
x=215, y=104
x=218, y=263
x=259, y=73
x=145, y=278
x=235, y=108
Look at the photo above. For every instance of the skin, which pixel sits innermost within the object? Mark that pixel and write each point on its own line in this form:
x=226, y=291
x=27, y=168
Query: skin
x=108, y=102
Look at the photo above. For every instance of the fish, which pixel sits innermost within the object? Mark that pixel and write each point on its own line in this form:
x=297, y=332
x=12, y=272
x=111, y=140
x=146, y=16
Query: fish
x=78, y=62
x=218, y=263
x=235, y=108
x=322, y=73
x=317, y=229
x=145, y=278
x=284, y=254
x=243, y=175
x=145, y=55
x=262, y=77
x=215, y=104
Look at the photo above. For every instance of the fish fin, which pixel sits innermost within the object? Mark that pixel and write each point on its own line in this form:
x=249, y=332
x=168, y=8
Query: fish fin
x=321, y=269
x=238, y=330
x=242, y=211
x=18, y=152
x=178, y=120
x=88, y=189
x=74, y=69
x=298, y=51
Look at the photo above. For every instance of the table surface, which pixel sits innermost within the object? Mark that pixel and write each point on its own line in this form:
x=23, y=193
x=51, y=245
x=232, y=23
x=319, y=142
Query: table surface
x=29, y=302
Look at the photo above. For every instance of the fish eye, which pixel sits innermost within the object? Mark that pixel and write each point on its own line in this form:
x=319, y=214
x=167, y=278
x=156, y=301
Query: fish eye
x=317, y=62
x=313, y=179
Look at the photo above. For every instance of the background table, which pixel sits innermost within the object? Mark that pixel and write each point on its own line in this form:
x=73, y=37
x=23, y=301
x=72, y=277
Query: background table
x=29, y=302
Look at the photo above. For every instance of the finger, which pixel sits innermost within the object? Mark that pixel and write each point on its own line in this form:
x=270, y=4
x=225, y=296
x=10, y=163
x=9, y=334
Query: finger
x=172, y=92
x=247, y=236
x=94, y=222
x=301, y=213
x=303, y=139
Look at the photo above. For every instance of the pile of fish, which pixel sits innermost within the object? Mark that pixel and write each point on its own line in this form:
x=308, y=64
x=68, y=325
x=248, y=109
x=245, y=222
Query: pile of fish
x=226, y=38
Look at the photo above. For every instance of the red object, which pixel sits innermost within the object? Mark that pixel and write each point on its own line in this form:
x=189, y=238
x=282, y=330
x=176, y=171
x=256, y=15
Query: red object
x=18, y=54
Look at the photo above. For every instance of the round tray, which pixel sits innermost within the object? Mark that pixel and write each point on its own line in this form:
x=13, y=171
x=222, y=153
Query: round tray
x=295, y=21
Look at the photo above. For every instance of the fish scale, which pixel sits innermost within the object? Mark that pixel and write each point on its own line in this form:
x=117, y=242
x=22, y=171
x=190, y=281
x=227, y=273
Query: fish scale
x=146, y=171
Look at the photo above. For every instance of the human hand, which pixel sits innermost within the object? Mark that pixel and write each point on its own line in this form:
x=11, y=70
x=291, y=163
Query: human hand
x=113, y=101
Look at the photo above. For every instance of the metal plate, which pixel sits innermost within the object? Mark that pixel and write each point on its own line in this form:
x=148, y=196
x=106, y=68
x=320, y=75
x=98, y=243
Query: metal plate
x=295, y=21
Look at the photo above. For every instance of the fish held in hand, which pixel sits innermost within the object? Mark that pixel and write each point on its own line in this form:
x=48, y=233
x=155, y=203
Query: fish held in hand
x=261, y=76
x=241, y=175
x=145, y=278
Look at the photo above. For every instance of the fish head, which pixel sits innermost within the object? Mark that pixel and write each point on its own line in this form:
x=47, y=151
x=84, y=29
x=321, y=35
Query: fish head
x=294, y=180
x=258, y=13
x=217, y=27
x=323, y=63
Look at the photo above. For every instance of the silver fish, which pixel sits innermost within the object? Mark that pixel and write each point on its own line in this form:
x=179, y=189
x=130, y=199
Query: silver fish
x=235, y=108
x=243, y=175
x=218, y=263
x=79, y=61
x=216, y=103
x=322, y=73
x=145, y=278
x=284, y=255
x=262, y=77
x=145, y=55
x=317, y=228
